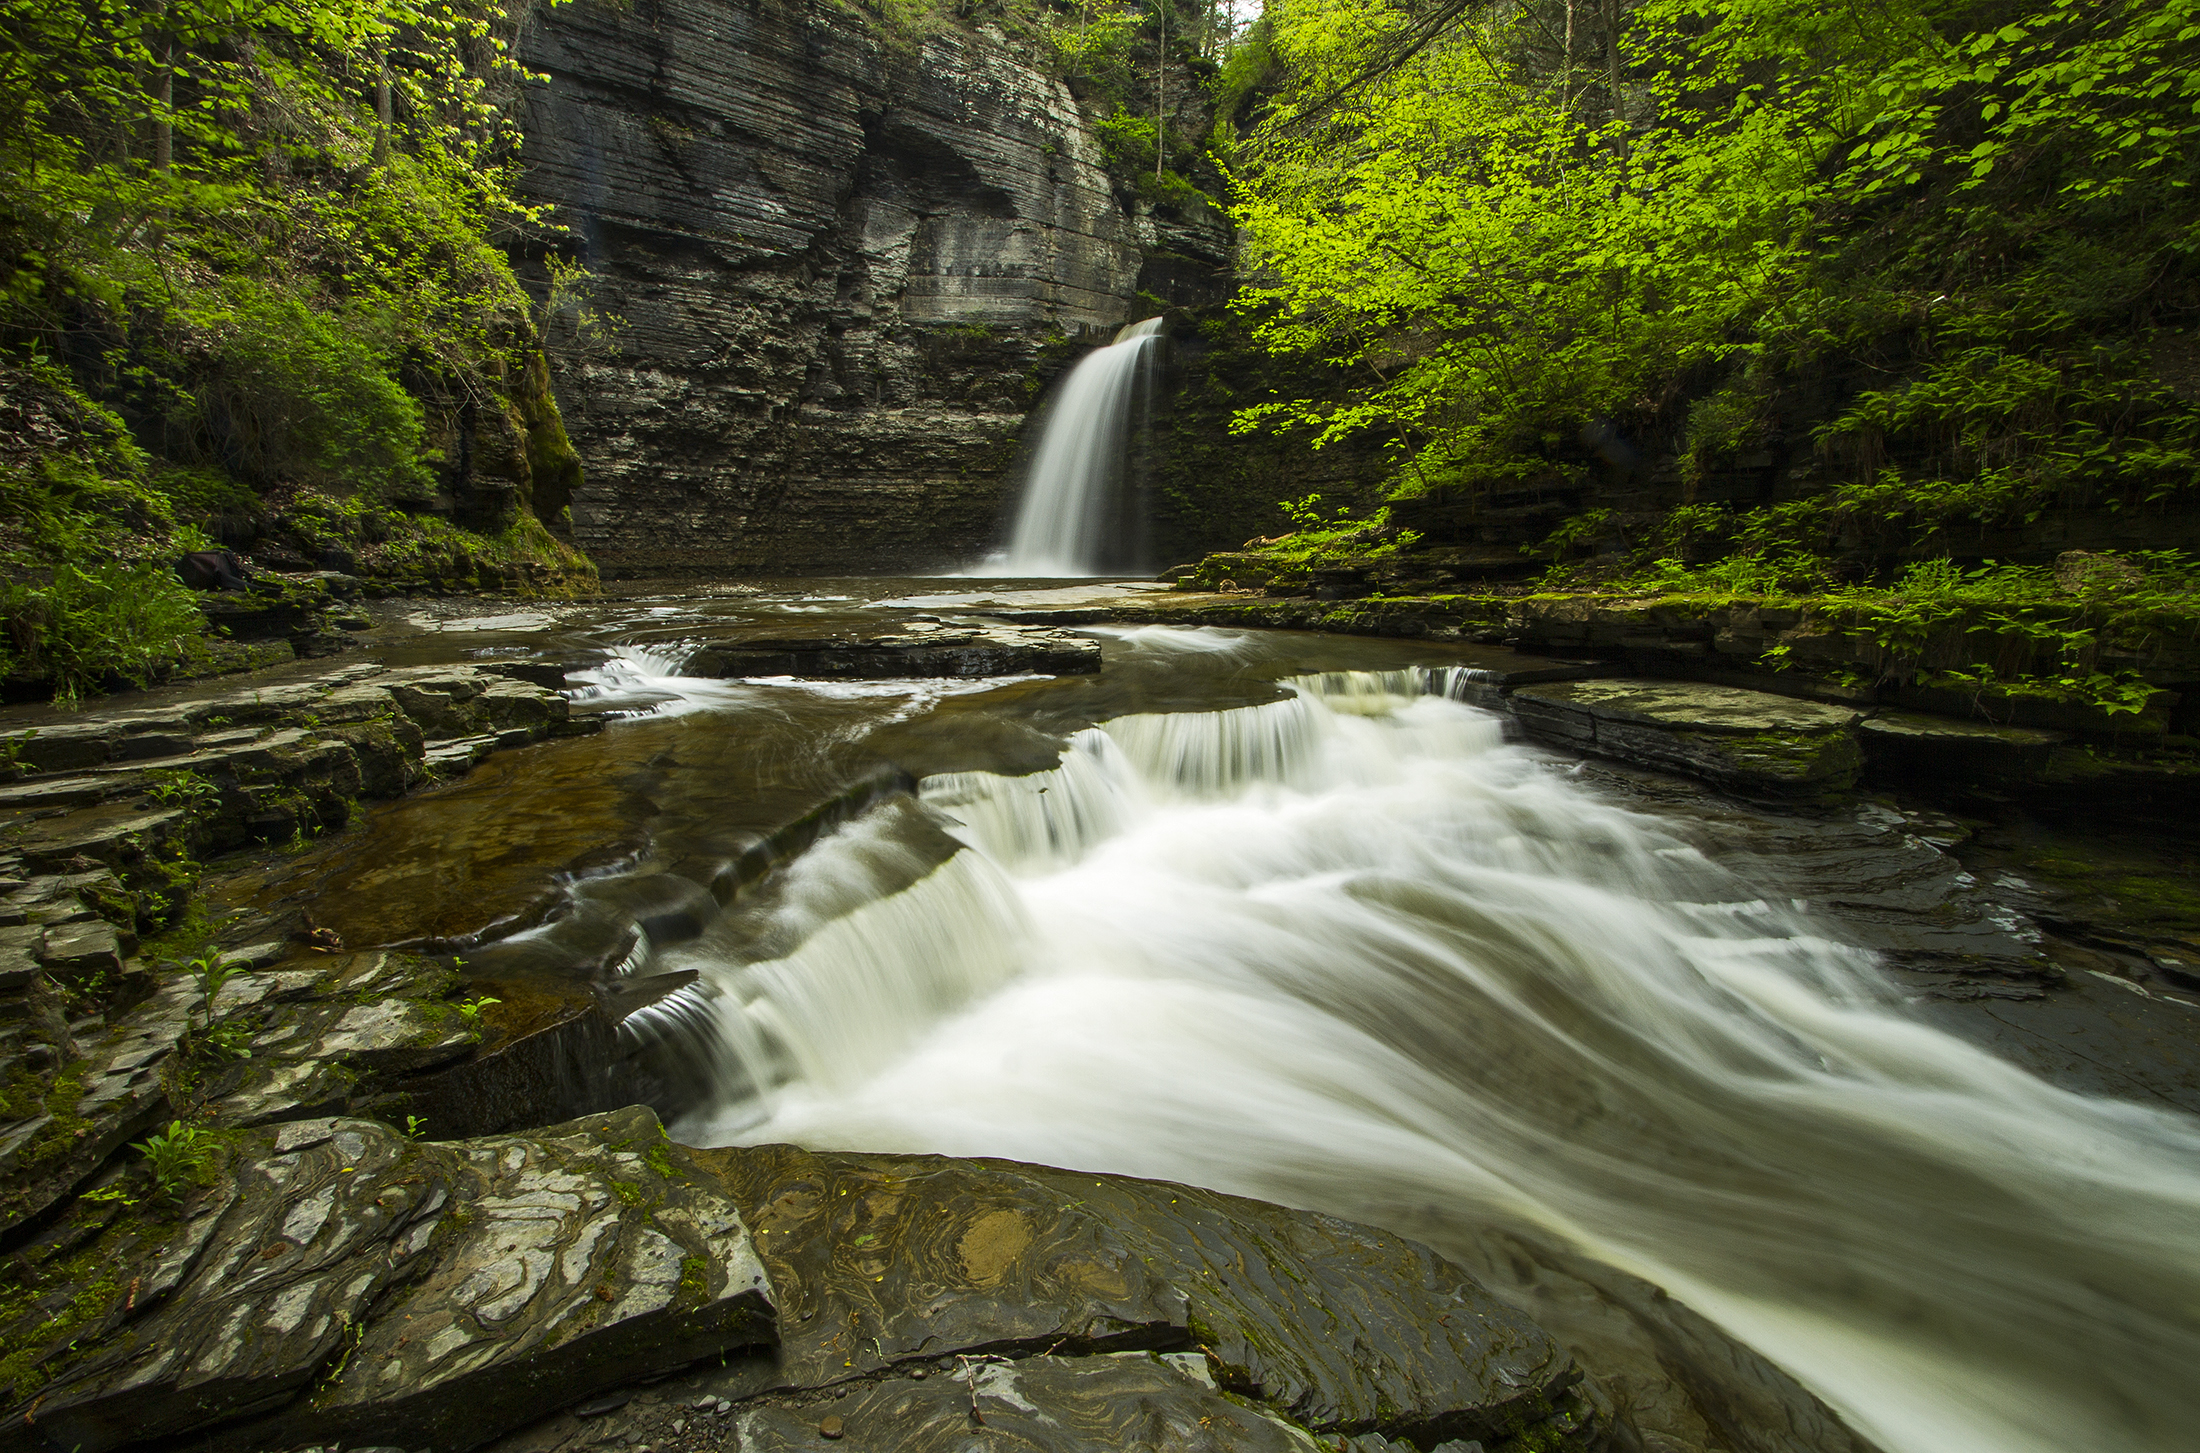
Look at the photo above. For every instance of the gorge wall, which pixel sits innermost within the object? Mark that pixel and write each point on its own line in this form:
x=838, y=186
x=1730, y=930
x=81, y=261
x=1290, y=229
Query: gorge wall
x=846, y=259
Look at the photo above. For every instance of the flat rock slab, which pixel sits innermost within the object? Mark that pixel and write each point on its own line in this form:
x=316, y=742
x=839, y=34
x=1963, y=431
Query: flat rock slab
x=431, y=1295
x=1750, y=742
x=334, y=1032
x=884, y=1262
x=919, y=649
x=1131, y=1400
x=1942, y=748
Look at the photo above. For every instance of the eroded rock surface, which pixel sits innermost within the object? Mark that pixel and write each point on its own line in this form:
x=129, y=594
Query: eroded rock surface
x=1748, y=742
x=918, y=648
x=1088, y=1312
x=847, y=255
x=430, y=1295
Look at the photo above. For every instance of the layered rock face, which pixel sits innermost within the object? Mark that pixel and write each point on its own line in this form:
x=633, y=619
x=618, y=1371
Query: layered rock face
x=847, y=261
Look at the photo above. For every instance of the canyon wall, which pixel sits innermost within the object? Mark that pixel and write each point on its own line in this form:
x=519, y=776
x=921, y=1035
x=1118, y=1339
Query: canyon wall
x=844, y=260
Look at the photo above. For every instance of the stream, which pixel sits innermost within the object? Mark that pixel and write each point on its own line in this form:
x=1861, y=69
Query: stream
x=1276, y=914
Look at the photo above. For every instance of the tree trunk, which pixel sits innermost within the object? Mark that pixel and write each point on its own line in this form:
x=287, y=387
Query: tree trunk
x=1611, y=61
x=164, y=99
x=1566, y=64
x=382, y=109
x=1161, y=95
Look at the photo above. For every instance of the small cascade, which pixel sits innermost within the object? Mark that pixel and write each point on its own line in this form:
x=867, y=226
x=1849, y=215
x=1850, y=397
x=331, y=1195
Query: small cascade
x=863, y=988
x=1043, y=820
x=644, y=680
x=1348, y=950
x=1068, y=519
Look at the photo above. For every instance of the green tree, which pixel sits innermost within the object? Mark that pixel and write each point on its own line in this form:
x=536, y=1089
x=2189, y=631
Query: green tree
x=1990, y=205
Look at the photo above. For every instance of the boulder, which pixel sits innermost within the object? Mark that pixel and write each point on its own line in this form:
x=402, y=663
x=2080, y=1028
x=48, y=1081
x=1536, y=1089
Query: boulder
x=1046, y=1404
x=1748, y=742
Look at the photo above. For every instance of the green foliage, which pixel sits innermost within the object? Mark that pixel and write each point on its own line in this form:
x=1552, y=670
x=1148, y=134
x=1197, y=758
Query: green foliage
x=1322, y=538
x=1983, y=212
x=470, y=1009
x=1094, y=44
x=2021, y=628
x=296, y=392
x=179, y=1158
x=185, y=789
x=224, y=276
x=392, y=542
x=83, y=625
x=211, y=969
x=1573, y=533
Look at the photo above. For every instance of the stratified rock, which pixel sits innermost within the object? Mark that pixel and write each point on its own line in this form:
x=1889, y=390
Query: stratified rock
x=337, y=1032
x=1943, y=750
x=845, y=255
x=1747, y=742
x=921, y=649
x=1045, y=1404
x=526, y=1271
x=91, y=1098
x=887, y=1262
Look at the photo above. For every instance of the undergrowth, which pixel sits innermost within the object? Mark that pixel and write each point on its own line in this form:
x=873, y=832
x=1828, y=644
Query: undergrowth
x=2070, y=632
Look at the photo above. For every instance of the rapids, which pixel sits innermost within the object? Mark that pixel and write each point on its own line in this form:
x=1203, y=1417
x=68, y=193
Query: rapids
x=1283, y=915
x=1349, y=950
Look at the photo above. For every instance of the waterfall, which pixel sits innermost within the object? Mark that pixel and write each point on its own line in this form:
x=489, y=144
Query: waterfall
x=1352, y=951
x=1068, y=519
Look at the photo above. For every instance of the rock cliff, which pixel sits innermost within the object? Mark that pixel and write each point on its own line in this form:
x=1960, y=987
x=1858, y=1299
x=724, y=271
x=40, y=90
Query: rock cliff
x=845, y=258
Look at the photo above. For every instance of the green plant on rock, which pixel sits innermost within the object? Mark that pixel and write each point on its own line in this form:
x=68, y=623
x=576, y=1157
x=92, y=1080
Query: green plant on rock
x=179, y=1158
x=470, y=1009
x=210, y=970
x=196, y=794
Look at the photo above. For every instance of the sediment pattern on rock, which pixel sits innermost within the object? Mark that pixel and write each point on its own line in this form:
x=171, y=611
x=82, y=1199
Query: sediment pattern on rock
x=429, y=1294
x=336, y=1282
x=885, y=1263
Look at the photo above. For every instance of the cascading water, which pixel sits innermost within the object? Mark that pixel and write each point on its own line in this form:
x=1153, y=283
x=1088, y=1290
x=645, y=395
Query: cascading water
x=1350, y=951
x=1067, y=518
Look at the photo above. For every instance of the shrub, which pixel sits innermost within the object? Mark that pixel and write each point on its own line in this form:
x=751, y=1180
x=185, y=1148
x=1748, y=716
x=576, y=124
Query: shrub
x=300, y=394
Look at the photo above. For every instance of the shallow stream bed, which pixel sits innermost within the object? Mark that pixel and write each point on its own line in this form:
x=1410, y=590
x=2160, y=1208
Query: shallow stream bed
x=1275, y=914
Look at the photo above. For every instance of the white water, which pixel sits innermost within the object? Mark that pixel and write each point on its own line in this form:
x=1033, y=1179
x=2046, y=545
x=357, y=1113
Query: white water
x=1350, y=951
x=1063, y=519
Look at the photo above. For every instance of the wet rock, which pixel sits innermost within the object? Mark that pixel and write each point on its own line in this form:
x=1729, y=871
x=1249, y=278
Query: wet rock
x=1941, y=750
x=98, y=1096
x=331, y=1041
x=63, y=746
x=118, y=837
x=80, y=951
x=1046, y=1404
x=59, y=898
x=549, y=675
x=882, y=1261
x=439, y=1294
x=940, y=206
x=41, y=794
x=1748, y=742
x=926, y=649
x=546, y=1057
x=521, y=705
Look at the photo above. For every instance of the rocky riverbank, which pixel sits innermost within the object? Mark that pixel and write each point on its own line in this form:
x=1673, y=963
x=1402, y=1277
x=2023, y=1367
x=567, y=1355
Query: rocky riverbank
x=1708, y=689
x=287, y=1260
x=362, y=1211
